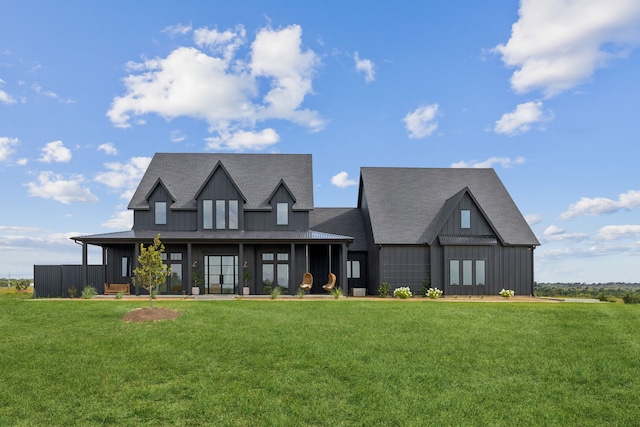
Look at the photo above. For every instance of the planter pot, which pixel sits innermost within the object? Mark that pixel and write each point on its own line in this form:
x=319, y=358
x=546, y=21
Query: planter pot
x=195, y=290
x=246, y=290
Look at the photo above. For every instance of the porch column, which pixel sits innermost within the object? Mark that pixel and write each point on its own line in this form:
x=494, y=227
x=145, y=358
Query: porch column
x=343, y=270
x=189, y=274
x=292, y=275
x=85, y=270
x=134, y=263
x=241, y=269
x=104, y=267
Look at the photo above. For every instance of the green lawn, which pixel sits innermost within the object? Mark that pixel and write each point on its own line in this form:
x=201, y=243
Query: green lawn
x=319, y=363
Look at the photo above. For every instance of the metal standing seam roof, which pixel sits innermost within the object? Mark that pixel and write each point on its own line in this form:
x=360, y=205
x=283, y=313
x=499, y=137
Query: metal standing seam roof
x=255, y=175
x=133, y=236
x=403, y=203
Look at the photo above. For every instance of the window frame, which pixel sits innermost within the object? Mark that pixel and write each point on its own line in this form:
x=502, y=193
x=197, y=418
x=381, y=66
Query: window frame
x=282, y=213
x=160, y=213
x=465, y=218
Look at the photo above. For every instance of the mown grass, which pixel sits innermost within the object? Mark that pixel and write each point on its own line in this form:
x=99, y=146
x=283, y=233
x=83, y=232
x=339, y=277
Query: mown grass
x=319, y=363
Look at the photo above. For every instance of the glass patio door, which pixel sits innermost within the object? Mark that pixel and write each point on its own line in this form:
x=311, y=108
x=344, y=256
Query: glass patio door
x=220, y=274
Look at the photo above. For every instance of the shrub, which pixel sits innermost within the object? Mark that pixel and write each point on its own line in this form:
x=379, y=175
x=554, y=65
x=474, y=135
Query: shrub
x=384, y=289
x=119, y=295
x=434, y=293
x=631, y=298
x=73, y=292
x=89, y=292
x=300, y=293
x=602, y=296
x=336, y=292
x=507, y=293
x=275, y=293
x=426, y=285
x=403, y=292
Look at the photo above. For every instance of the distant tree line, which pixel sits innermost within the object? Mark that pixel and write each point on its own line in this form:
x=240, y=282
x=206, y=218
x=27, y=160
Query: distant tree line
x=585, y=290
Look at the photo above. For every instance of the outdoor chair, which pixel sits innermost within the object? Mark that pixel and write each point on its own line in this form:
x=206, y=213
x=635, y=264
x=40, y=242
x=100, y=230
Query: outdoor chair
x=332, y=282
x=307, y=282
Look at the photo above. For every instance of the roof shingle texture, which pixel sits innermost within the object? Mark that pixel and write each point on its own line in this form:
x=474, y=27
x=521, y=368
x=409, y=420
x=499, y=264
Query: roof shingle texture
x=256, y=175
x=404, y=203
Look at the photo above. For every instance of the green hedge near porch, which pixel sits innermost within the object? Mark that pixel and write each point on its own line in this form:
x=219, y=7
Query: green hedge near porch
x=319, y=363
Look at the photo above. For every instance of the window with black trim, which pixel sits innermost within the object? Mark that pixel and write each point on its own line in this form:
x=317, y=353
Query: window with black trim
x=467, y=272
x=465, y=218
x=282, y=210
x=160, y=213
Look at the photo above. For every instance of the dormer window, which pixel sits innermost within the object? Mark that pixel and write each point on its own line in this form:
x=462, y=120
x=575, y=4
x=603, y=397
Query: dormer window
x=207, y=214
x=221, y=217
x=226, y=214
x=161, y=213
x=282, y=210
x=465, y=218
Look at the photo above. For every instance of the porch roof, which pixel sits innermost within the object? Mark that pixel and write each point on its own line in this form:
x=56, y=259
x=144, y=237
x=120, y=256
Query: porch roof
x=468, y=240
x=222, y=236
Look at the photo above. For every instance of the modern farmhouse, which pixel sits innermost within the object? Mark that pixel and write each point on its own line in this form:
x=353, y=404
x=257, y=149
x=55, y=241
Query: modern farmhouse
x=234, y=221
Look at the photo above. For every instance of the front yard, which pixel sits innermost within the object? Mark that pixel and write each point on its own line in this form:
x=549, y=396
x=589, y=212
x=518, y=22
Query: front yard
x=322, y=362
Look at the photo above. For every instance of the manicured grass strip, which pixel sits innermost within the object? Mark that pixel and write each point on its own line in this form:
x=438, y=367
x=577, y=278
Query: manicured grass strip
x=319, y=363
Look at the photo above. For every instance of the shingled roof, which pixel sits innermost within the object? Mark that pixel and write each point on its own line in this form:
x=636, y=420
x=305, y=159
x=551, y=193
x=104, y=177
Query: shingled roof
x=256, y=176
x=405, y=204
x=341, y=221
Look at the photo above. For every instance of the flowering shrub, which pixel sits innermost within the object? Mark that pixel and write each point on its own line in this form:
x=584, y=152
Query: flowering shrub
x=434, y=293
x=402, y=292
x=507, y=293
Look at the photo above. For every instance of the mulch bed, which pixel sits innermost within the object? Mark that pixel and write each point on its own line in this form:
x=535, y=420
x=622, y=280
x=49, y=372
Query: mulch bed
x=150, y=314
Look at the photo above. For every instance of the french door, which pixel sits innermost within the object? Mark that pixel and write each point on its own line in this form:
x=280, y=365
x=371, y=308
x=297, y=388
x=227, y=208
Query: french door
x=220, y=274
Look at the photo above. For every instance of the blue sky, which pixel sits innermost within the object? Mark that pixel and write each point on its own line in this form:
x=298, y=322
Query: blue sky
x=546, y=92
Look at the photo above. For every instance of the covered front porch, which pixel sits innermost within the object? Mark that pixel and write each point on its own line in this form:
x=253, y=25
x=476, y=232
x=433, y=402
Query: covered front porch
x=218, y=263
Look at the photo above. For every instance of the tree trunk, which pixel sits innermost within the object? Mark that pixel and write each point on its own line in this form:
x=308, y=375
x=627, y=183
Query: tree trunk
x=150, y=296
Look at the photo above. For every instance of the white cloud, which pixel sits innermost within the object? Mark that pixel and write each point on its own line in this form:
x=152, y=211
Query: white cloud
x=533, y=218
x=224, y=89
x=365, y=66
x=505, y=162
x=124, y=176
x=244, y=141
x=421, y=123
x=55, y=151
x=556, y=234
x=22, y=162
x=615, y=232
x=54, y=186
x=5, y=98
x=7, y=147
x=108, y=148
x=600, y=205
x=50, y=94
x=121, y=220
x=225, y=43
x=557, y=45
x=521, y=119
x=342, y=180
x=178, y=29
x=177, y=136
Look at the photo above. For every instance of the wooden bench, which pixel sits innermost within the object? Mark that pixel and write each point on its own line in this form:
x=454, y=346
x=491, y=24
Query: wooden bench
x=114, y=288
